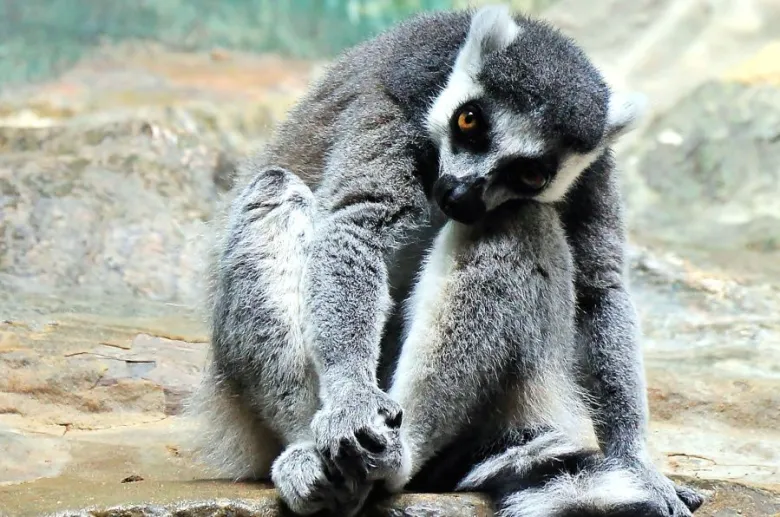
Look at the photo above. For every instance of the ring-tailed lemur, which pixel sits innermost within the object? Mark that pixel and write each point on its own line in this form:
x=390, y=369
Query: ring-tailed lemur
x=517, y=324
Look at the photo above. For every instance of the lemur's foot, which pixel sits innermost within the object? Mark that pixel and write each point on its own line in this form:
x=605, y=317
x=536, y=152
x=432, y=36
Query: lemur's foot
x=673, y=499
x=360, y=434
x=307, y=484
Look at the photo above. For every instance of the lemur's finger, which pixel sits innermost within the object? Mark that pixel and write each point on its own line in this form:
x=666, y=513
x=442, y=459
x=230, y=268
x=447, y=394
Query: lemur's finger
x=371, y=441
x=350, y=460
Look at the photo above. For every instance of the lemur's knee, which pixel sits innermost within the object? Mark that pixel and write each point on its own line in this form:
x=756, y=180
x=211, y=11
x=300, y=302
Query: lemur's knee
x=273, y=190
x=276, y=185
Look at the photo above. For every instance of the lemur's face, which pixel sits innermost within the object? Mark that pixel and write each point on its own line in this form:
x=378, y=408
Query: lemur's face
x=523, y=114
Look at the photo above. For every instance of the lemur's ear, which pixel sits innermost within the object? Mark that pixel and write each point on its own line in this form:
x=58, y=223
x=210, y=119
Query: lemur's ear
x=492, y=28
x=625, y=111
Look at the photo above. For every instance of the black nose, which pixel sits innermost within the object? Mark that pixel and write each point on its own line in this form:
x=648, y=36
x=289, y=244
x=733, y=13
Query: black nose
x=460, y=198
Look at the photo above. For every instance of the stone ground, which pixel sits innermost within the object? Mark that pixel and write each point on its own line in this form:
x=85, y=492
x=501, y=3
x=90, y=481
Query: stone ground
x=109, y=174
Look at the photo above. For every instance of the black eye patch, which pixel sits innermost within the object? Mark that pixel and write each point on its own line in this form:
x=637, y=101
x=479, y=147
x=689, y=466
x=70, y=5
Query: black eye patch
x=527, y=176
x=469, y=128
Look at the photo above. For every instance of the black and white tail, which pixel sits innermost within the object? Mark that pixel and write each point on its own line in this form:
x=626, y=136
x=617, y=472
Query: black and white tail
x=550, y=476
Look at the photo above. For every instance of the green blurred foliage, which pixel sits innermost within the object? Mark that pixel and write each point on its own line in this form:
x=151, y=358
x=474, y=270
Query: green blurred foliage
x=41, y=37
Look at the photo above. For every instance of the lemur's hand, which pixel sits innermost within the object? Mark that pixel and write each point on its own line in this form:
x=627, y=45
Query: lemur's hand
x=359, y=431
x=673, y=500
x=308, y=484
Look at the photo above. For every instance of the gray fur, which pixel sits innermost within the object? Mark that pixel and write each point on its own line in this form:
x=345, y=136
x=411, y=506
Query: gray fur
x=492, y=326
x=328, y=226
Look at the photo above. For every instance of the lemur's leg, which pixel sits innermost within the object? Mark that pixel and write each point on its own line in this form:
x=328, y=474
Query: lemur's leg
x=262, y=369
x=490, y=334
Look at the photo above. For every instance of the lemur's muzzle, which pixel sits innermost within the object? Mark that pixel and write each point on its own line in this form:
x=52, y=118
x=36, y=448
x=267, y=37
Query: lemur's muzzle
x=460, y=199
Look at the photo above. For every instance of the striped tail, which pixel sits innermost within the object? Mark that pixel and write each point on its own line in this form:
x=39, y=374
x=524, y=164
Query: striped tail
x=550, y=476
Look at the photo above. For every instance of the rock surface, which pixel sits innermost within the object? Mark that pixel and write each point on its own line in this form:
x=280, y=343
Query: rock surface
x=109, y=175
x=726, y=500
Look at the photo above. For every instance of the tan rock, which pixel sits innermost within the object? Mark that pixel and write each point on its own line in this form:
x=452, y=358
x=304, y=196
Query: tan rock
x=725, y=500
x=761, y=68
x=173, y=365
x=24, y=458
x=9, y=342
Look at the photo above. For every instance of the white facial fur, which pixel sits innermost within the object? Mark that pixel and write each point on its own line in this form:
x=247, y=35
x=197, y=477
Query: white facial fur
x=569, y=170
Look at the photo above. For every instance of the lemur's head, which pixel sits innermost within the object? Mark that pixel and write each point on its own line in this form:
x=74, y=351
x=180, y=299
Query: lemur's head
x=523, y=114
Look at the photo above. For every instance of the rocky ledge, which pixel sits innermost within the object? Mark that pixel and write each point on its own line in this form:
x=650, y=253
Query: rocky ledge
x=725, y=500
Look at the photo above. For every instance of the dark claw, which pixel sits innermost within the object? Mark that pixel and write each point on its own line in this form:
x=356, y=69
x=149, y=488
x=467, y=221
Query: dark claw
x=394, y=421
x=333, y=475
x=344, y=449
x=370, y=441
x=691, y=498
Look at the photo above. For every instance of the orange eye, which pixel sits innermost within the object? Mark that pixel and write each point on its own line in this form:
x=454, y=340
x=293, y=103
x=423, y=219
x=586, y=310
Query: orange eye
x=468, y=120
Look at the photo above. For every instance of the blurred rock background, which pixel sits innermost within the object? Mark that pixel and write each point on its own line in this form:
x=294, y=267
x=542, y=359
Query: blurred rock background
x=120, y=125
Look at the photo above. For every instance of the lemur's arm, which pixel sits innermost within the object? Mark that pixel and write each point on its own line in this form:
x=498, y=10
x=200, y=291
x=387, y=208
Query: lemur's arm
x=607, y=330
x=607, y=327
x=369, y=200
